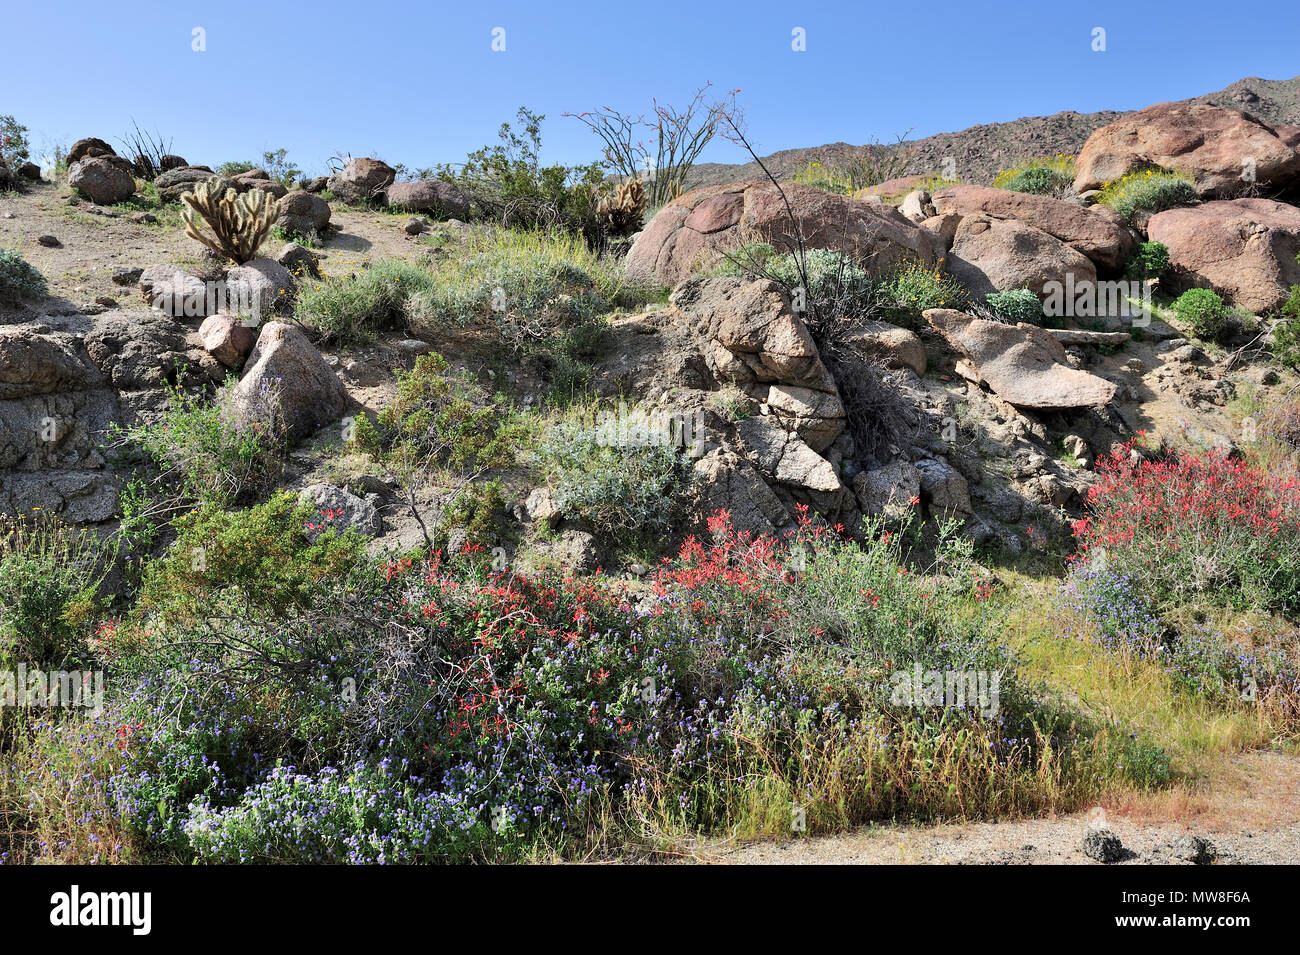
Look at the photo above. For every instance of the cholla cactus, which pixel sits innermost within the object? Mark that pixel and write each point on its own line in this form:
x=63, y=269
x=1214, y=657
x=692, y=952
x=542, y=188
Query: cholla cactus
x=239, y=222
x=621, y=213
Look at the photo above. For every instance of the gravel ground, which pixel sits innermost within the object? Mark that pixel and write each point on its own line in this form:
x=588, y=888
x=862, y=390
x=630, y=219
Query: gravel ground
x=1248, y=810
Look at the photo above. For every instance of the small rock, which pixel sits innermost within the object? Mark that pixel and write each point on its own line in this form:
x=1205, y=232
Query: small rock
x=1195, y=849
x=340, y=510
x=413, y=346
x=540, y=508
x=49, y=241
x=1103, y=846
x=415, y=226
x=299, y=260
x=227, y=339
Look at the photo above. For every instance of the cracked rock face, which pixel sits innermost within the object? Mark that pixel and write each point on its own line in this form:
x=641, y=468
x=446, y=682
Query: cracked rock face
x=1243, y=248
x=1207, y=143
x=754, y=340
x=1095, y=231
x=695, y=229
x=995, y=255
x=1023, y=364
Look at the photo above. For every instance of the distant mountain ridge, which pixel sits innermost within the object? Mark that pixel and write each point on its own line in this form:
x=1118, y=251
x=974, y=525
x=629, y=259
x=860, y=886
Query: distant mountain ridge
x=980, y=152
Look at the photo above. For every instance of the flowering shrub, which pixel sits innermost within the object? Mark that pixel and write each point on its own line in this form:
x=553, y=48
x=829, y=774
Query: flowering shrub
x=1050, y=176
x=1113, y=610
x=438, y=710
x=1147, y=191
x=363, y=815
x=914, y=288
x=1203, y=527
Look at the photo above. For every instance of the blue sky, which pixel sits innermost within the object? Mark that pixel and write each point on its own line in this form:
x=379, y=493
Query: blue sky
x=419, y=83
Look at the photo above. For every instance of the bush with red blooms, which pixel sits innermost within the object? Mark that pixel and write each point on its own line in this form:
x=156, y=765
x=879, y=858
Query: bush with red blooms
x=1207, y=527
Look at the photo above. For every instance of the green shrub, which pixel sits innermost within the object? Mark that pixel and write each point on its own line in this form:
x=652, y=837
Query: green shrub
x=352, y=308
x=232, y=169
x=50, y=577
x=508, y=182
x=913, y=288
x=18, y=279
x=1016, y=305
x=205, y=456
x=627, y=490
x=269, y=559
x=434, y=421
x=14, y=147
x=1040, y=176
x=838, y=285
x=1204, y=313
x=1149, y=191
x=1286, y=334
x=1149, y=261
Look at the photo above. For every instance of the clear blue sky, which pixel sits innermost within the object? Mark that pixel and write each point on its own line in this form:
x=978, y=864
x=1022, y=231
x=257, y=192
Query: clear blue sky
x=419, y=83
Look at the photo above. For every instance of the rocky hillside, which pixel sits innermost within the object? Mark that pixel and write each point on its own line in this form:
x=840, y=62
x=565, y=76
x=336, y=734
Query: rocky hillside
x=415, y=525
x=980, y=152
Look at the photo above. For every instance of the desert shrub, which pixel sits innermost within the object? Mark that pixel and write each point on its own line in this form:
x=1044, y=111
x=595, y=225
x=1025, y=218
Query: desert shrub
x=442, y=430
x=818, y=175
x=354, y=307
x=626, y=489
x=841, y=287
x=232, y=169
x=1045, y=177
x=508, y=182
x=50, y=578
x=1113, y=609
x=1016, y=305
x=838, y=285
x=205, y=457
x=14, y=146
x=1286, y=332
x=527, y=283
x=1148, y=191
x=1204, y=313
x=1149, y=261
x=358, y=816
x=847, y=170
x=18, y=279
x=1202, y=527
x=913, y=288
x=278, y=167
x=442, y=420
x=531, y=287
x=269, y=559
